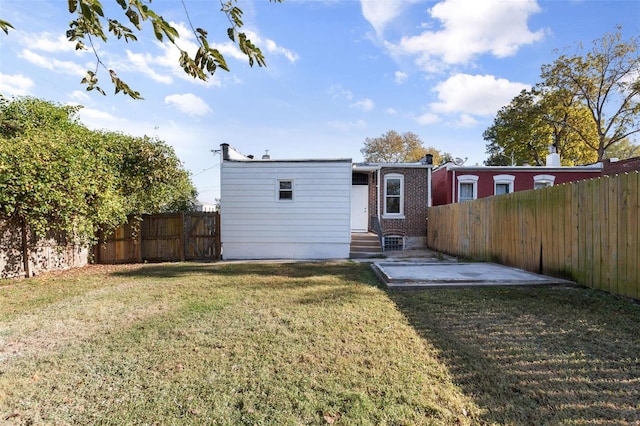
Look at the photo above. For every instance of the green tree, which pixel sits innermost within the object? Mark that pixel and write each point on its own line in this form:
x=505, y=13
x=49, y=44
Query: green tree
x=150, y=174
x=606, y=81
x=53, y=179
x=518, y=133
x=58, y=176
x=393, y=147
x=623, y=150
x=534, y=120
x=90, y=26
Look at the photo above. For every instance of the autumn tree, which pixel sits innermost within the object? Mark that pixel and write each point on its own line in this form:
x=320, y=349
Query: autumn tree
x=90, y=26
x=605, y=81
x=623, y=150
x=393, y=147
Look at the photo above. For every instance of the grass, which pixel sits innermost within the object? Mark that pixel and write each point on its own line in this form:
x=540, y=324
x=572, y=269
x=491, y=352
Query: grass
x=308, y=343
x=536, y=355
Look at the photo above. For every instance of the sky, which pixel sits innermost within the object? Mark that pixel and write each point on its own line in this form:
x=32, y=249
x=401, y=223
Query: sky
x=338, y=72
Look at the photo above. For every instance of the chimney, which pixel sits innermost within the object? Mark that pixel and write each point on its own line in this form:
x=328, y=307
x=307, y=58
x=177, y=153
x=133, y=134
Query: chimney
x=225, y=150
x=266, y=155
x=553, y=159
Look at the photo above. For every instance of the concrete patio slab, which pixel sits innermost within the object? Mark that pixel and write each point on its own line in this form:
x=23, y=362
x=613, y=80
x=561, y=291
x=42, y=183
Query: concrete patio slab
x=427, y=274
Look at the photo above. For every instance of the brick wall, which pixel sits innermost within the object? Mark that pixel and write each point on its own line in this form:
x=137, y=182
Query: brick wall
x=622, y=166
x=414, y=224
x=46, y=254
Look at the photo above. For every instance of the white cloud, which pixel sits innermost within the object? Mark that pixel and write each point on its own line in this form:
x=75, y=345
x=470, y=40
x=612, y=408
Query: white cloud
x=15, y=85
x=273, y=48
x=465, y=120
x=189, y=104
x=364, y=104
x=338, y=92
x=400, y=77
x=470, y=28
x=391, y=111
x=428, y=118
x=474, y=94
x=379, y=13
x=102, y=120
x=230, y=49
x=47, y=42
x=80, y=96
x=97, y=119
x=65, y=67
x=143, y=63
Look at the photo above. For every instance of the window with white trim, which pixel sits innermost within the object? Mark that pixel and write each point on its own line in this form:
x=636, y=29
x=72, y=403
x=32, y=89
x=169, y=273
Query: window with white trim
x=467, y=188
x=543, y=181
x=503, y=184
x=285, y=190
x=394, y=195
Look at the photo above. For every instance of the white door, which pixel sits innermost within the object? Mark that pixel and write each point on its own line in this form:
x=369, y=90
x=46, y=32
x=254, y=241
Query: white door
x=359, y=208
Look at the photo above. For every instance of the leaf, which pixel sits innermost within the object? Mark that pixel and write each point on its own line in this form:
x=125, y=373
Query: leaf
x=219, y=59
x=133, y=18
x=97, y=8
x=157, y=31
x=4, y=26
x=331, y=418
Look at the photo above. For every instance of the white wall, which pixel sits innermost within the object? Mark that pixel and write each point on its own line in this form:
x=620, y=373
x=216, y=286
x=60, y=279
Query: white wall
x=256, y=225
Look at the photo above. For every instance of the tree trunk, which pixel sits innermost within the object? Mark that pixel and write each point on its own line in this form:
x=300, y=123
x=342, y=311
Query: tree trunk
x=26, y=255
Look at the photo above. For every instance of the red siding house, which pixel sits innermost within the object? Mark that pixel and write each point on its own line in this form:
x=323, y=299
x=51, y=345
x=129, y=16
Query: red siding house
x=455, y=183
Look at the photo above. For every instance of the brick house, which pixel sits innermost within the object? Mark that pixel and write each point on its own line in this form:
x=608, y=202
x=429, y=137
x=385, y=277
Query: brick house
x=398, y=195
x=616, y=167
x=455, y=183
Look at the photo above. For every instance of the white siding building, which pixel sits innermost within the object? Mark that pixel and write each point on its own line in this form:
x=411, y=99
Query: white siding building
x=284, y=209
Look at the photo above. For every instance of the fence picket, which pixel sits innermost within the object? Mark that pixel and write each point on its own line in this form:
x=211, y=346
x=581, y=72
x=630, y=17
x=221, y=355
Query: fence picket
x=588, y=230
x=164, y=237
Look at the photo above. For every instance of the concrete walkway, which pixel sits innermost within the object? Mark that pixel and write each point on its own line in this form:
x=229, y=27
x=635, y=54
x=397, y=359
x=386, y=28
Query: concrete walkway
x=415, y=269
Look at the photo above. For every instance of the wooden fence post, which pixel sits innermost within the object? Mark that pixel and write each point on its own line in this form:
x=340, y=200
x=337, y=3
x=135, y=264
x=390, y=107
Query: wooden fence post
x=218, y=236
x=183, y=237
x=138, y=241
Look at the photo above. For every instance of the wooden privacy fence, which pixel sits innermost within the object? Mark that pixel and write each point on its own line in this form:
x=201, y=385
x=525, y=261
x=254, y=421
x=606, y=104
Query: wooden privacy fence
x=163, y=238
x=586, y=231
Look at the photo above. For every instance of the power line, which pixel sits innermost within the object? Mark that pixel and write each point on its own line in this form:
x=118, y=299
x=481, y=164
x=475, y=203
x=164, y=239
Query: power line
x=205, y=170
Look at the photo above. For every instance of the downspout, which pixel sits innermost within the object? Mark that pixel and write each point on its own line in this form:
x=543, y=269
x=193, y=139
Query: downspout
x=378, y=195
x=453, y=187
x=429, y=202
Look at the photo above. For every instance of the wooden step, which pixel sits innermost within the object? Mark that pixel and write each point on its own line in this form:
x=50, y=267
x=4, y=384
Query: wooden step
x=364, y=245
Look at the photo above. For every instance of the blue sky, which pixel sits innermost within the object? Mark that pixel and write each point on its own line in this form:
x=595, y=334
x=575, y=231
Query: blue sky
x=338, y=71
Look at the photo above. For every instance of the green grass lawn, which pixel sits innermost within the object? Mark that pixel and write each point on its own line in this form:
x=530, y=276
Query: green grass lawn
x=308, y=343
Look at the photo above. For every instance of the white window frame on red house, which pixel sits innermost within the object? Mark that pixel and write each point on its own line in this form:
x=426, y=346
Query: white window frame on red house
x=501, y=180
x=543, y=181
x=467, y=180
x=393, y=215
